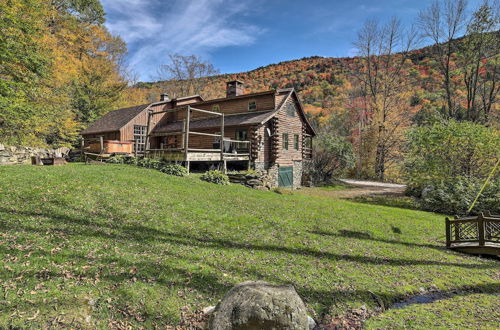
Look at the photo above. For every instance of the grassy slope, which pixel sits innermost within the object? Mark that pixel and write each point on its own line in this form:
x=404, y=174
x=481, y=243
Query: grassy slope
x=90, y=245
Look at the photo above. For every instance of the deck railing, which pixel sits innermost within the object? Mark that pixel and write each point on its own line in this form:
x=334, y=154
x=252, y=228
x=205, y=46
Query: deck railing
x=479, y=229
x=186, y=132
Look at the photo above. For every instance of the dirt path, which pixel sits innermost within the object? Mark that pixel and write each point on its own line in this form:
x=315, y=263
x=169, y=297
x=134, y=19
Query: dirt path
x=357, y=188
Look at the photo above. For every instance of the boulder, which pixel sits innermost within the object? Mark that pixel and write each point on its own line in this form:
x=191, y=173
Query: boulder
x=253, y=305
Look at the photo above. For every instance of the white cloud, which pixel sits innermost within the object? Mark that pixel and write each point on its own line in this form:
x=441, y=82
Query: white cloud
x=155, y=28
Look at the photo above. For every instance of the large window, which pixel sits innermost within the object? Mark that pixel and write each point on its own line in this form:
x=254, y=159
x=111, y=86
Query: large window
x=285, y=141
x=296, y=142
x=139, y=138
x=241, y=135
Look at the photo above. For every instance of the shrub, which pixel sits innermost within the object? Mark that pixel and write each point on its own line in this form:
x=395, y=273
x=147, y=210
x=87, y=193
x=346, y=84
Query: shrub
x=116, y=160
x=443, y=152
x=173, y=169
x=456, y=196
x=446, y=164
x=333, y=155
x=216, y=177
x=130, y=160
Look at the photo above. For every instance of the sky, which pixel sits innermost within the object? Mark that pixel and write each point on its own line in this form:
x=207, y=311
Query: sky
x=241, y=35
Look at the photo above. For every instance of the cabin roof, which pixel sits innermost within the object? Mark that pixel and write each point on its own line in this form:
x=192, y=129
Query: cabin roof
x=240, y=119
x=224, y=99
x=114, y=120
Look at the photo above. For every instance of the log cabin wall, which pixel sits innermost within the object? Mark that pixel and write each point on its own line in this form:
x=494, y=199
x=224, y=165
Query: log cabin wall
x=197, y=141
x=289, y=122
x=264, y=143
x=264, y=101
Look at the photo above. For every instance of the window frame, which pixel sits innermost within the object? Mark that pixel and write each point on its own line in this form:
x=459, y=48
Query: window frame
x=241, y=146
x=296, y=139
x=284, y=142
x=291, y=111
x=254, y=107
x=139, y=137
x=216, y=108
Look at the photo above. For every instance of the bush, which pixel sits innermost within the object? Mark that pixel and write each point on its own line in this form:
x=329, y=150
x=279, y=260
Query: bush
x=443, y=152
x=173, y=169
x=333, y=155
x=116, y=160
x=456, y=196
x=446, y=164
x=216, y=177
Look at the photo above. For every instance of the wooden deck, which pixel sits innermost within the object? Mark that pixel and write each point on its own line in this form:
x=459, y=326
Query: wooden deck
x=180, y=156
x=478, y=234
x=186, y=153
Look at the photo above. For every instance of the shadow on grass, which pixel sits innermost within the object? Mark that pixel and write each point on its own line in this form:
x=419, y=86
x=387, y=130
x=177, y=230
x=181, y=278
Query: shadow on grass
x=389, y=199
x=79, y=222
x=368, y=236
x=88, y=226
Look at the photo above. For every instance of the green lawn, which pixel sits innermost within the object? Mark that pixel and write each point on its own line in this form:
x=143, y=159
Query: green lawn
x=116, y=245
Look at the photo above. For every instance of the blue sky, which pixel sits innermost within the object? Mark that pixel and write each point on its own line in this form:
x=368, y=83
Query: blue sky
x=241, y=35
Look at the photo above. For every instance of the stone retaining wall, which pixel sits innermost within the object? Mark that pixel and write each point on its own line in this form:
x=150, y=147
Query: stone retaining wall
x=260, y=180
x=22, y=155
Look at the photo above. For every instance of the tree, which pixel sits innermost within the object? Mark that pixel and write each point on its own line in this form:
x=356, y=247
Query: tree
x=441, y=23
x=447, y=163
x=333, y=156
x=86, y=11
x=383, y=73
x=479, y=59
x=185, y=75
x=24, y=63
x=59, y=70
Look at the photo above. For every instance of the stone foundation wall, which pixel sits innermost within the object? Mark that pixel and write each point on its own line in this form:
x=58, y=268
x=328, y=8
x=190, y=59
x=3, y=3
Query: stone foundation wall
x=297, y=174
x=22, y=155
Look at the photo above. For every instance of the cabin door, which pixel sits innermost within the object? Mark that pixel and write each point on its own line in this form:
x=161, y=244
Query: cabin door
x=285, y=176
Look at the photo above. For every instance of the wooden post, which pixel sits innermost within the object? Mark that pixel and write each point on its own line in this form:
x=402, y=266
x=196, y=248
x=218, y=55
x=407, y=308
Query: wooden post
x=101, y=141
x=186, y=137
x=448, y=232
x=480, y=224
x=221, y=144
x=146, y=141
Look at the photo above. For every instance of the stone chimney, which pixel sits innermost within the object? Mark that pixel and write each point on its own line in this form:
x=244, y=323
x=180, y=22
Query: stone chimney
x=234, y=88
x=164, y=97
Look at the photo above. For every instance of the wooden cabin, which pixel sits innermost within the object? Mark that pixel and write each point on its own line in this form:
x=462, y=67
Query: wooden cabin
x=266, y=130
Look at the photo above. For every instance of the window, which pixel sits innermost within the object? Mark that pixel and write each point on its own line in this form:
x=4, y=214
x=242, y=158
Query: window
x=296, y=142
x=216, y=108
x=252, y=106
x=290, y=110
x=285, y=141
x=139, y=138
x=241, y=135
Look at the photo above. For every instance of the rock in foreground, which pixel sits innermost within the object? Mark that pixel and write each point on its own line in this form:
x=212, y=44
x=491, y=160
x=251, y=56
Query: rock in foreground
x=259, y=305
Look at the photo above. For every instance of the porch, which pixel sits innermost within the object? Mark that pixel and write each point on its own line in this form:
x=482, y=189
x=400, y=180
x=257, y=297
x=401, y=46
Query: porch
x=223, y=149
